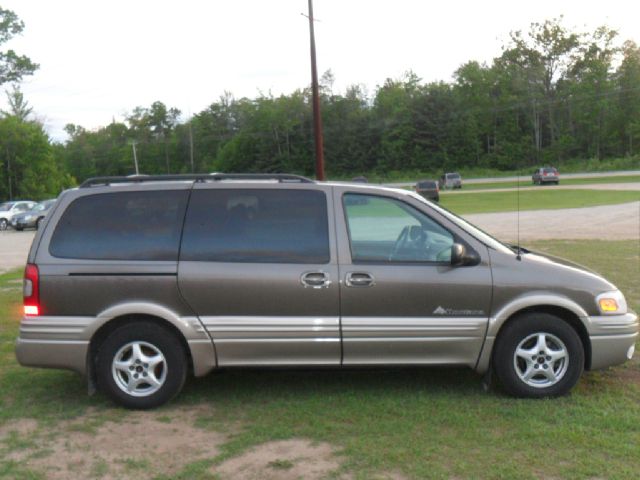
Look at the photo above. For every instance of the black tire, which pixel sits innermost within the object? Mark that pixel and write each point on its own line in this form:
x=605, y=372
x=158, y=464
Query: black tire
x=163, y=340
x=3, y=223
x=508, y=367
x=19, y=229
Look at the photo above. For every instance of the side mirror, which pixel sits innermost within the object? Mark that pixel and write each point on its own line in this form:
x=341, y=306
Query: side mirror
x=461, y=257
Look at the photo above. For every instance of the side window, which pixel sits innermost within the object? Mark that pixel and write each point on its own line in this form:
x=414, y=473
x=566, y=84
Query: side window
x=121, y=226
x=256, y=225
x=388, y=230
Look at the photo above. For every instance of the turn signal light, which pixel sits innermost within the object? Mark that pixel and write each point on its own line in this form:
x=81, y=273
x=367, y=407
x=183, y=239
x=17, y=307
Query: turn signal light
x=608, y=305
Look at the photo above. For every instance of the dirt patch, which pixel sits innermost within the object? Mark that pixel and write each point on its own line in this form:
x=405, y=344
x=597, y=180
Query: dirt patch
x=22, y=427
x=140, y=445
x=282, y=460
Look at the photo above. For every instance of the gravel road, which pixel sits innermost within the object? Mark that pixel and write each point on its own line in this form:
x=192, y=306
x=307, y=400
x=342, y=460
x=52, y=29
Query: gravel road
x=606, y=222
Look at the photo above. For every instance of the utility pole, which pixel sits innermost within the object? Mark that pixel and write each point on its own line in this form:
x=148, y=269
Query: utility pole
x=317, y=119
x=135, y=156
x=191, y=145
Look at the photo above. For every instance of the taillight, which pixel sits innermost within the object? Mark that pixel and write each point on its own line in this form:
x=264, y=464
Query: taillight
x=31, y=290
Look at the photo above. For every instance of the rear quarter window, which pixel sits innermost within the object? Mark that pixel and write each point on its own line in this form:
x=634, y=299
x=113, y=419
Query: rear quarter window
x=121, y=226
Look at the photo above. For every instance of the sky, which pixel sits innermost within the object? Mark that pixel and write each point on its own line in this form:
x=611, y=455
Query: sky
x=100, y=59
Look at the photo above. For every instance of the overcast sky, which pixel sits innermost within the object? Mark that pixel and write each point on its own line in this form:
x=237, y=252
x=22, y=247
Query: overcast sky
x=100, y=59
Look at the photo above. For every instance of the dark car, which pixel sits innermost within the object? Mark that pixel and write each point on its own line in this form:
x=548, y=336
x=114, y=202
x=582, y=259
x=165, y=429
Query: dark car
x=33, y=217
x=428, y=189
x=450, y=180
x=545, y=175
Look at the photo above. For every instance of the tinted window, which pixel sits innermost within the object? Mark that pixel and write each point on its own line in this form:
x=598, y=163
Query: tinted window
x=121, y=226
x=256, y=225
x=427, y=184
x=388, y=230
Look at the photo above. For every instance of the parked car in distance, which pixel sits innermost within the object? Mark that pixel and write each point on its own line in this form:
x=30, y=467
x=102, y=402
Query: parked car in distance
x=545, y=175
x=137, y=283
x=428, y=189
x=9, y=209
x=450, y=181
x=33, y=217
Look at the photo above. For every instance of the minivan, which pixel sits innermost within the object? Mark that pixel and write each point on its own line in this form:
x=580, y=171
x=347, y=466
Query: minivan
x=138, y=282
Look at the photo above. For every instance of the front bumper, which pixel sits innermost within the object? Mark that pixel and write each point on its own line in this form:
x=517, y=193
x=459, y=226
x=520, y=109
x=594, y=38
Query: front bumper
x=613, y=338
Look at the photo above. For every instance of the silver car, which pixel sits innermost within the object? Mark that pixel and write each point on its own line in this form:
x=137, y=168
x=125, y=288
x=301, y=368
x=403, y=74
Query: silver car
x=32, y=218
x=187, y=274
x=450, y=181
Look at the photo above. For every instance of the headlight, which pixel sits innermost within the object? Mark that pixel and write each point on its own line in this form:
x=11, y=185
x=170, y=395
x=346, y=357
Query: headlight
x=612, y=303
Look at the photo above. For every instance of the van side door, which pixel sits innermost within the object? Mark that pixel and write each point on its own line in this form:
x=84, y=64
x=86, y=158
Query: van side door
x=258, y=265
x=402, y=302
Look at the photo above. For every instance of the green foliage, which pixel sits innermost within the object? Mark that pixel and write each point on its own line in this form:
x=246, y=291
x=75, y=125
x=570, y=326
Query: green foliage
x=12, y=66
x=30, y=168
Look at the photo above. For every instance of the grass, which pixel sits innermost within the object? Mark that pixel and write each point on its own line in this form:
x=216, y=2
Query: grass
x=545, y=198
x=420, y=423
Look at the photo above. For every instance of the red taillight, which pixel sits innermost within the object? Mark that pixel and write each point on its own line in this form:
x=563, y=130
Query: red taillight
x=31, y=290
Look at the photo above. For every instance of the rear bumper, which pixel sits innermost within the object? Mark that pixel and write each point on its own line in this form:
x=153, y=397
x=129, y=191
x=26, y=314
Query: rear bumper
x=65, y=354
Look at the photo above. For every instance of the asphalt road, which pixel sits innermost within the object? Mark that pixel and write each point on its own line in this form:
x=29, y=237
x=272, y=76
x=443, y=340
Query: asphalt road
x=527, y=178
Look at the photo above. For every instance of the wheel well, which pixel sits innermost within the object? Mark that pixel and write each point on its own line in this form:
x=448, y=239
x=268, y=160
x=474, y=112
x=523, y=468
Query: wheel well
x=568, y=316
x=103, y=332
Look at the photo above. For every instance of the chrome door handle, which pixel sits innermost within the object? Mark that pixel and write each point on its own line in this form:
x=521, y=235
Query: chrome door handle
x=359, y=279
x=315, y=280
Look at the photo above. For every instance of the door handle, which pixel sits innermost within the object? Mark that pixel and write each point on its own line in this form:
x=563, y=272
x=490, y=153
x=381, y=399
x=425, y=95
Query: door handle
x=315, y=280
x=359, y=279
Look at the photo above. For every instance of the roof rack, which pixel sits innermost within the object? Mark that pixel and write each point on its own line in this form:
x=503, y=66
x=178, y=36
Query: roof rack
x=200, y=177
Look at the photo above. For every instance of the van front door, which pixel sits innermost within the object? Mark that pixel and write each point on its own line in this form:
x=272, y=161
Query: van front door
x=402, y=302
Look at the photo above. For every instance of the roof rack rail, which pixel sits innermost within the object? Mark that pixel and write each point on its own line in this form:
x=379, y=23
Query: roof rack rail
x=199, y=177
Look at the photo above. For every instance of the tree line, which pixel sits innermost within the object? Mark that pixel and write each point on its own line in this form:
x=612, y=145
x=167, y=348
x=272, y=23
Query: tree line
x=552, y=96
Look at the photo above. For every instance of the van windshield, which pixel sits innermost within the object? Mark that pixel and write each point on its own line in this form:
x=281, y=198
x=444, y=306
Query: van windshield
x=481, y=235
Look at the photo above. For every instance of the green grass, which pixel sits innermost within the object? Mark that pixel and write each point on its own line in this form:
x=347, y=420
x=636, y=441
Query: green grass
x=545, y=198
x=420, y=423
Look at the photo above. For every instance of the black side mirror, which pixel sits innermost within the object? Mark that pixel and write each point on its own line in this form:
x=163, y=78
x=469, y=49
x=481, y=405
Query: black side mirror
x=461, y=257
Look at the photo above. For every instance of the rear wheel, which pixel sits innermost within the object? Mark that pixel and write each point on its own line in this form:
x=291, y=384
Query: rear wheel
x=538, y=355
x=141, y=365
x=3, y=223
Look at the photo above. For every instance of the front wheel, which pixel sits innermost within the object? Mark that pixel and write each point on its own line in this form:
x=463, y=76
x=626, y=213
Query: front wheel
x=141, y=365
x=538, y=355
x=3, y=223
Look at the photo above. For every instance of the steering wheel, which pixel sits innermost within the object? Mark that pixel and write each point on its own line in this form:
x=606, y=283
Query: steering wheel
x=400, y=242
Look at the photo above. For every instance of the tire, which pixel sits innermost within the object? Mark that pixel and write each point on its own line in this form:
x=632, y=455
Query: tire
x=19, y=229
x=119, y=360
x=534, y=333
x=3, y=223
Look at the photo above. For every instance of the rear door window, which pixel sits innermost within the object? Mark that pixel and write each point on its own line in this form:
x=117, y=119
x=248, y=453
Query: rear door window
x=257, y=225
x=121, y=226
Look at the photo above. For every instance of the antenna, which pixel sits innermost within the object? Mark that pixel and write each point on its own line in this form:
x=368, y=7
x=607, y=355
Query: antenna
x=518, y=249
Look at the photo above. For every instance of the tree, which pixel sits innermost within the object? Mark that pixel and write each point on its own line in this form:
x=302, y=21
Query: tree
x=12, y=66
x=18, y=106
